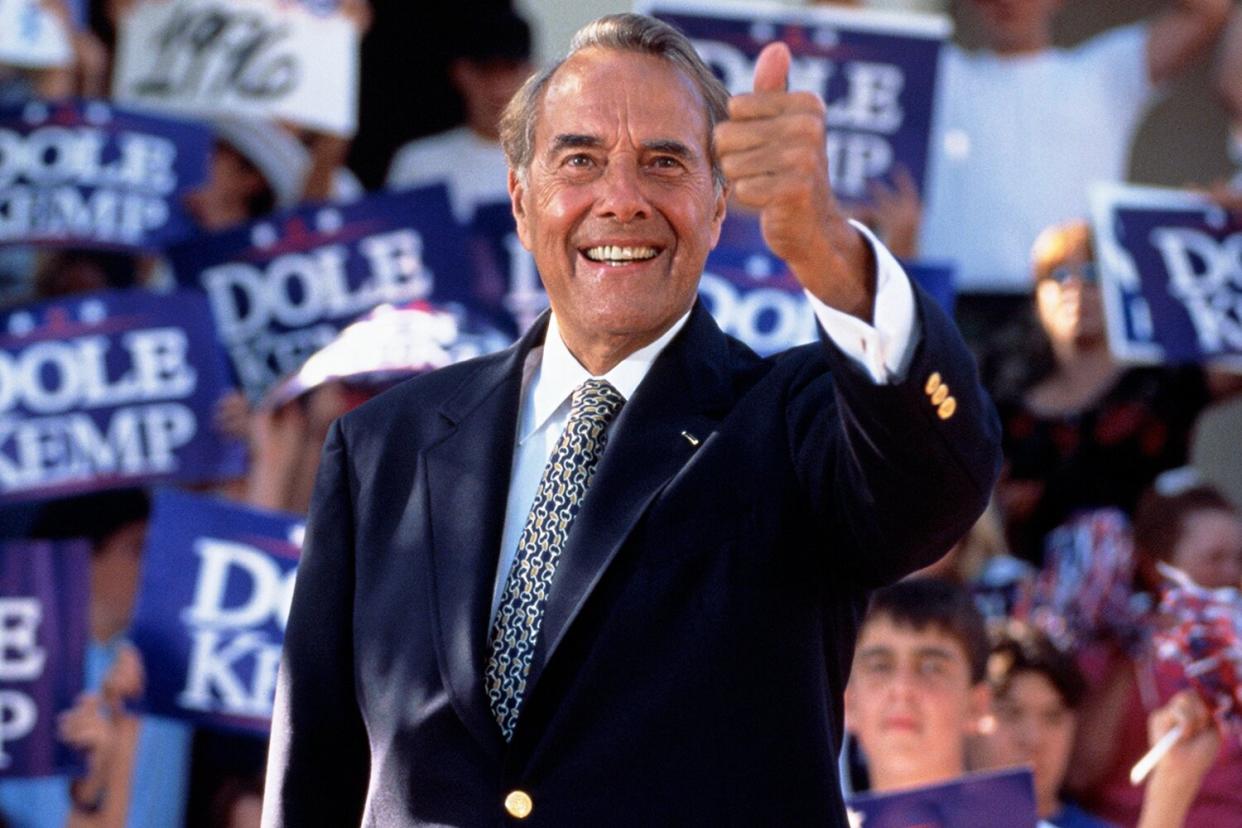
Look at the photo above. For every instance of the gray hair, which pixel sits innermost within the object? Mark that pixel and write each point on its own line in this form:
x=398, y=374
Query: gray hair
x=624, y=33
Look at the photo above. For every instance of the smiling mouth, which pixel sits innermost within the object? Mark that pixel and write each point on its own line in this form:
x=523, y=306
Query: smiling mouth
x=616, y=255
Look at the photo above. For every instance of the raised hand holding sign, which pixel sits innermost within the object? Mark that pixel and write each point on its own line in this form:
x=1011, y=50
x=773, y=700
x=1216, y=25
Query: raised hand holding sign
x=772, y=151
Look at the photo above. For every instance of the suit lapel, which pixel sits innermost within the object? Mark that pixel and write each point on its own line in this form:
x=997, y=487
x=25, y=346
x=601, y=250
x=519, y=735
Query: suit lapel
x=468, y=481
x=687, y=389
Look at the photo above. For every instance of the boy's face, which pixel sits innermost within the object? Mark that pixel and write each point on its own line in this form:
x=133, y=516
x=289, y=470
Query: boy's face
x=911, y=704
x=1033, y=727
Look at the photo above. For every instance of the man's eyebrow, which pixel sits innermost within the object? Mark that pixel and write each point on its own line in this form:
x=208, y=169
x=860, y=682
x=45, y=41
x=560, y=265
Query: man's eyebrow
x=572, y=140
x=669, y=146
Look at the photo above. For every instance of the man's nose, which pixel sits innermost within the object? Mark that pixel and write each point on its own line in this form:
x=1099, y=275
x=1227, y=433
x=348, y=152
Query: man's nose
x=621, y=195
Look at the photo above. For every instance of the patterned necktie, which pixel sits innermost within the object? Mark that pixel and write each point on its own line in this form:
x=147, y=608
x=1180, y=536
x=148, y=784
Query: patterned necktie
x=561, y=489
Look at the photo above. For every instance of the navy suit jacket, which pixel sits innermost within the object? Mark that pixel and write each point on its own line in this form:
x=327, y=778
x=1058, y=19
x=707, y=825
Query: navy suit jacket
x=701, y=623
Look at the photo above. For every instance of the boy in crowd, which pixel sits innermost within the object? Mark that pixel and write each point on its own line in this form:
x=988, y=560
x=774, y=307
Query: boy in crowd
x=918, y=687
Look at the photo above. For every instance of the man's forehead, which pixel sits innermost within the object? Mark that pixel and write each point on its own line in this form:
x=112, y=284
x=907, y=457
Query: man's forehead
x=595, y=87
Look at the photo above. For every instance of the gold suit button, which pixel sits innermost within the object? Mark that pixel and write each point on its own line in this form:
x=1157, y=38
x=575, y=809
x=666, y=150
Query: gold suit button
x=946, y=409
x=941, y=393
x=518, y=804
x=933, y=382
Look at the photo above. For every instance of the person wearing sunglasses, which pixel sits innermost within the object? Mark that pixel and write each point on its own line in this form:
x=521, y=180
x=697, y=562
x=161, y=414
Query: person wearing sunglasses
x=1081, y=429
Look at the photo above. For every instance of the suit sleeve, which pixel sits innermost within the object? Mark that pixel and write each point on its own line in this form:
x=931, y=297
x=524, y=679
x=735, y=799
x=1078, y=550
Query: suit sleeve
x=897, y=472
x=318, y=759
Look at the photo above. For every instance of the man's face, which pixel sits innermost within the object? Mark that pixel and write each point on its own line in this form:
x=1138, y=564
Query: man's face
x=618, y=206
x=1033, y=727
x=1013, y=24
x=910, y=703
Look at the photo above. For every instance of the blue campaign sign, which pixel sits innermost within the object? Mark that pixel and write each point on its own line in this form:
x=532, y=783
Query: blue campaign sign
x=1171, y=268
x=212, y=604
x=505, y=284
x=997, y=799
x=110, y=389
x=754, y=297
x=90, y=174
x=44, y=598
x=283, y=287
x=752, y=294
x=876, y=71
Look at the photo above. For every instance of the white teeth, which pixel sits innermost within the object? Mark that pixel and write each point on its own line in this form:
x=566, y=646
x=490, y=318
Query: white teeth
x=611, y=253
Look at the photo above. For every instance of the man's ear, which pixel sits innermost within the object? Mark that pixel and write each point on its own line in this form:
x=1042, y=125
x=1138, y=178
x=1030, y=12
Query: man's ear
x=517, y=200
x=722, y=201
x=979, y=717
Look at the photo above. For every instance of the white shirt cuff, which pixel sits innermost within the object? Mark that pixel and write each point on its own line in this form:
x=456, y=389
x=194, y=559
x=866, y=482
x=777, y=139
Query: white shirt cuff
x=884, y=350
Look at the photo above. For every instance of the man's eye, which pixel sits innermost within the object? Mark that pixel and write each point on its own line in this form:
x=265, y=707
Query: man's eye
x=665, y=162
x=579, y=160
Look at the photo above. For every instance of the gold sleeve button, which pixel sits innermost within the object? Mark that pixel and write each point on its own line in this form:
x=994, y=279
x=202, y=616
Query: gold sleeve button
x=518, y=804
x=946, y=409
x=933, y=382
x=941, y=393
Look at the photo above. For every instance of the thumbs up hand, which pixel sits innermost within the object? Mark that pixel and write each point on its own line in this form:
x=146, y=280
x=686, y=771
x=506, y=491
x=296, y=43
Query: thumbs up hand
x=773, y=153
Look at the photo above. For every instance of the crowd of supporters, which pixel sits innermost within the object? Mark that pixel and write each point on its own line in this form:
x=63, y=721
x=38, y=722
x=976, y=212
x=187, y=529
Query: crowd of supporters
x=955, y=670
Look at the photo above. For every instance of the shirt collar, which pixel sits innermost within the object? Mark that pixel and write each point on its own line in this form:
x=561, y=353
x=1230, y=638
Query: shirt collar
x=557, y=373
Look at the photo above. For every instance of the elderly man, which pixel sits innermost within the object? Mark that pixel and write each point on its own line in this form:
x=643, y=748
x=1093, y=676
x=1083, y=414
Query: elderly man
x=613, y=575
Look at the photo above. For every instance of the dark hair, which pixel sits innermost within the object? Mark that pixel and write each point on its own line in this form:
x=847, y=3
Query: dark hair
x=114, y=269
x=92, y=516
x=1160, y=519
x=1023, y=649
x=502, y=35
x=932, y=602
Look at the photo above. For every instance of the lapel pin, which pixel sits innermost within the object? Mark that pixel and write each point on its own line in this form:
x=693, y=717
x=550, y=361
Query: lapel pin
x=690, y=438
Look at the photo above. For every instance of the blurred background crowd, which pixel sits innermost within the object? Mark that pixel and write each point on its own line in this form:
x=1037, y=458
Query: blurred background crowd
x=1110, y=469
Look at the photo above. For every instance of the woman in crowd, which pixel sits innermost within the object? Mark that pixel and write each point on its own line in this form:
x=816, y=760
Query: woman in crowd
x=1082, y=430
x=1197, y=531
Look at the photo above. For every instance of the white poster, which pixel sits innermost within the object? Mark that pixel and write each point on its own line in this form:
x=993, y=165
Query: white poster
x=31, y=36
x=240, y=57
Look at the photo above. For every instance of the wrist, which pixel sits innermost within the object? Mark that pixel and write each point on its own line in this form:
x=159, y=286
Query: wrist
x=841, y=272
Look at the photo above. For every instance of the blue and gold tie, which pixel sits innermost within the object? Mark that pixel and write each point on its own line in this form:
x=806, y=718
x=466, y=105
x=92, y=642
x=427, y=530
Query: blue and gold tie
x=561, y=489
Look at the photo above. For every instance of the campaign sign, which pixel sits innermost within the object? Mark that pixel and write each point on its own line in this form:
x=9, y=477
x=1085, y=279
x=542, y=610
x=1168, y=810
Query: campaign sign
x=752, y=294
x=996, y=799
x=505, y=285
x=283, y=287
x=754, y=297
x=212, y=605
x=1171, y=268
x=32, y=36
x=88, y=174
x=44, y=598
x=264, y=58
x=107, y=390
x=876, y=71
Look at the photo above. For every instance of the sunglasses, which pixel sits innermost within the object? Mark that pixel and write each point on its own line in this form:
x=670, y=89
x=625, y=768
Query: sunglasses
x=1085, y=273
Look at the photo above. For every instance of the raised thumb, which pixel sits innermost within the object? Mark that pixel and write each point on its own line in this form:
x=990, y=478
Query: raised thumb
x=772, y=68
